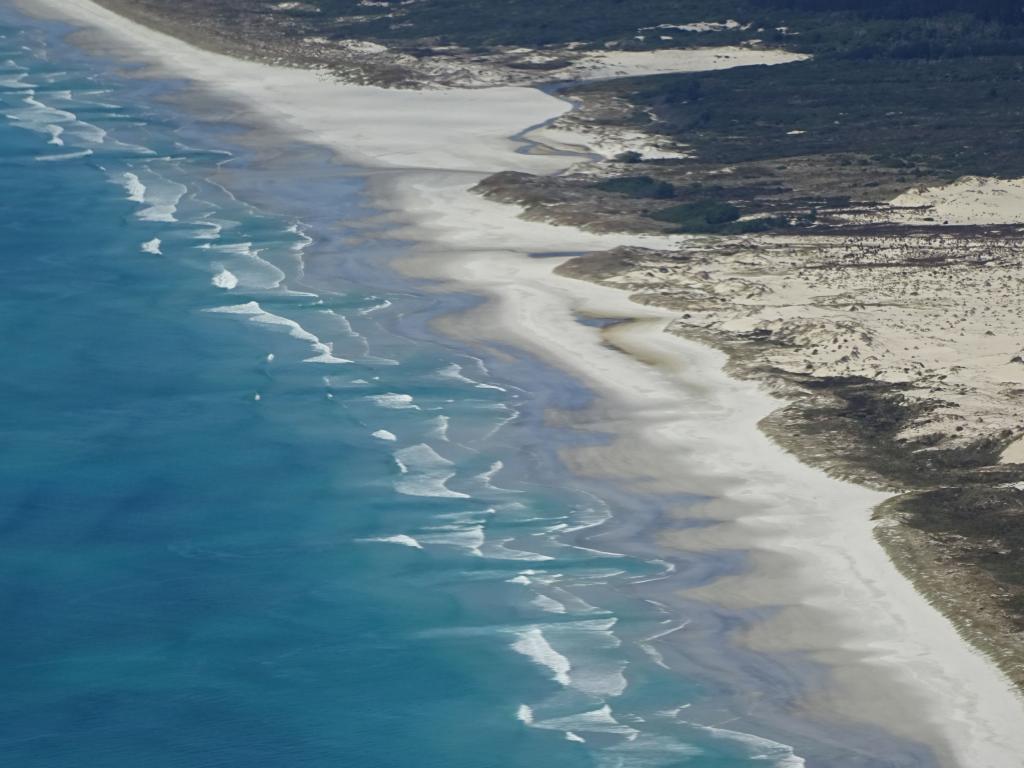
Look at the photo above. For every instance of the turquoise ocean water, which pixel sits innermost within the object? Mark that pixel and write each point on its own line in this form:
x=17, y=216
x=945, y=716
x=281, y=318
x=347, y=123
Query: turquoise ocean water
x=254, y=513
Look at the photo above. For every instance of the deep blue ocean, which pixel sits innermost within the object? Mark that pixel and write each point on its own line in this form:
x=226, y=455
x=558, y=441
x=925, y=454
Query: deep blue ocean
x=254, y=513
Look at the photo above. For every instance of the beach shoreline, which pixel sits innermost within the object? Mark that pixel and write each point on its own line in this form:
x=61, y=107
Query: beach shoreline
x=666, y=399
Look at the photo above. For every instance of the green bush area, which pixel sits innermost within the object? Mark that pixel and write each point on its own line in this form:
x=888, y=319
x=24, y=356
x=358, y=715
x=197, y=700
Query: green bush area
x=638, y=186
x=482, y=23
x=982, y=512
x=956, y=117
x=699, y=216
x=858, y=28
x=1001, y=10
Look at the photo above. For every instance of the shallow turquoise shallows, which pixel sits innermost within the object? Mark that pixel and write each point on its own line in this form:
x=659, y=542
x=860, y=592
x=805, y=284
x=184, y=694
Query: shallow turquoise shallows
x=252, y=513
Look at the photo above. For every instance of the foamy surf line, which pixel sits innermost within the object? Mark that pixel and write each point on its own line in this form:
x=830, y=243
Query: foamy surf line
x=255, y=313
x=65, y=156
x=244, y=266
x=980, y=716
x=60, y=125
x=424, y=472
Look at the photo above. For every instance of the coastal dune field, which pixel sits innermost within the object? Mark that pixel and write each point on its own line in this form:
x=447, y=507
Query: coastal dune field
x=679, y=425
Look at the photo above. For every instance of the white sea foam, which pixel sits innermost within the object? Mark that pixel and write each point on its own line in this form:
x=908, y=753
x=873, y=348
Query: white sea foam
x=383, y=434
x=224, y=279
x=601, y=682
x=346, y=327
x=542, y=577
x=570, y=736
x=465, y=537
x=524, y=714
x=424, y=473
x=343, y=321
x=595, y=576
x=401, y=538
x=670, y=631
x=36, y=116
x=647, y=750
x=381, y=305
x=467, y=517
x=588, y=517
x=546, y=603
x=55, y=134
x=454, y=373
x=573, y=604
x=246, y=263
x=654, y=654
x=374, y=360
x=68, y=156
x=210, y=229
x=152, y=246
x=138, y=149
x=781, y=755
x=532, y=644
x=488, y=476
x=89, y=132
x=393, y=400
x=100, y=92
x=667, y=570
x=598, y=720
x=15, y=82
x=499, y=551
x=512, y=415
x=326, y=356
x=597, y=674
x=441, y=428
x=161, y=197
x=257, y=314
x=304, y=240
x=134, y=187
x=598, y=552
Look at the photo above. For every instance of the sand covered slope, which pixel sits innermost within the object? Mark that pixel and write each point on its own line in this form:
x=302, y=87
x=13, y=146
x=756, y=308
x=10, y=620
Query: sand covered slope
x=941, y=316
x=971, y=200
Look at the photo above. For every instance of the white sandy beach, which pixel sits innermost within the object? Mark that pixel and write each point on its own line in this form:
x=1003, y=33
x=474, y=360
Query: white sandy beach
x=682, y=423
